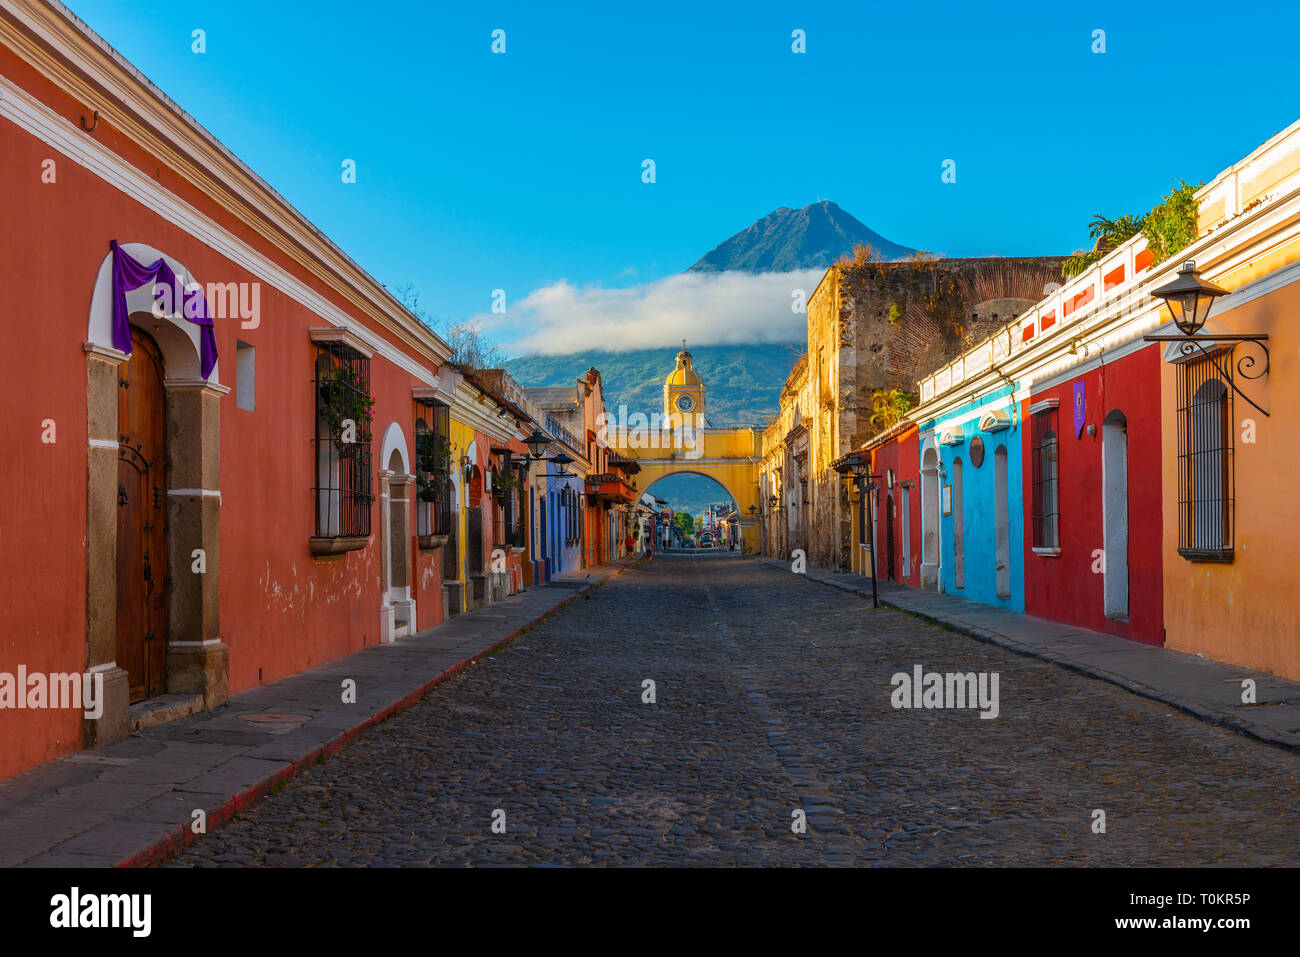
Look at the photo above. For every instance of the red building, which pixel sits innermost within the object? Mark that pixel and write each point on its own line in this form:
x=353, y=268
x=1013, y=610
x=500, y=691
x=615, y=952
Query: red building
x=897, y=507
x=1106, y=506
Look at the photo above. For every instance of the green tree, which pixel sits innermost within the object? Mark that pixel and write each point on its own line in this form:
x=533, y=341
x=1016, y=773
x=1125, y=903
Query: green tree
x=1107, y=235
x=685, y=525
x=1168, y=226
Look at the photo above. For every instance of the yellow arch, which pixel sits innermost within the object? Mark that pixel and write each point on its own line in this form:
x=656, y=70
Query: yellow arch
x=728, y=456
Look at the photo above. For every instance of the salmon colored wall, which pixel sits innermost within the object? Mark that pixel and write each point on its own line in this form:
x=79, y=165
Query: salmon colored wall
x=43, y=506
x=1246, y=612
x=1065, y=588
x=281, y=611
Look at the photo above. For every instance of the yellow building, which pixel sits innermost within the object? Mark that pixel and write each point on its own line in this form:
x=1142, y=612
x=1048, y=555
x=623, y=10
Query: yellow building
x=684, y=394
x=679, y=440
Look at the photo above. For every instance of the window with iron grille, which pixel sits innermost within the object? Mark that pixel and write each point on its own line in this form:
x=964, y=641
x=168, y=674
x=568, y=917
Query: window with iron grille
x=498, y=507
x=344, y=409
x=1205, y=461
x=433, y=485
x=573, y=516
x=1044, y=468
x=567, y=499
x=517, y=513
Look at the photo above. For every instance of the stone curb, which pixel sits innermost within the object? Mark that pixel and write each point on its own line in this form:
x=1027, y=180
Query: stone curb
x=1289, y=743
x=176, y=839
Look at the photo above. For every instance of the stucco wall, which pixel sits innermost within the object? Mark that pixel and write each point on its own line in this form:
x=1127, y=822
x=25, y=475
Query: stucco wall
x=1070, y=587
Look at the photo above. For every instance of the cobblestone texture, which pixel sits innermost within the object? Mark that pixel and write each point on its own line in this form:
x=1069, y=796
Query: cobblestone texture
x=773, y=694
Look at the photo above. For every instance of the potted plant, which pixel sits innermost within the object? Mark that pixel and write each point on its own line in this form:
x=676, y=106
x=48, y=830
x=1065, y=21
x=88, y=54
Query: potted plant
x=432, y=464
x=344, y=397
x=503, y=482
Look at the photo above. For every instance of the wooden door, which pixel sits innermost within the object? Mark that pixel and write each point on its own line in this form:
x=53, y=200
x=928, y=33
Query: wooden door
x=142, y=521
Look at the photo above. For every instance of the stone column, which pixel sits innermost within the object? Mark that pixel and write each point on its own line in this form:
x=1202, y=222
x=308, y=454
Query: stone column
x=198, y=662
x=104, y=368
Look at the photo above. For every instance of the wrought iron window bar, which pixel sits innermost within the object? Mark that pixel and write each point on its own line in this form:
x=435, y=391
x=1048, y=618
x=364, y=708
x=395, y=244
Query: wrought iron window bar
x=433, y=466
x=344, y=483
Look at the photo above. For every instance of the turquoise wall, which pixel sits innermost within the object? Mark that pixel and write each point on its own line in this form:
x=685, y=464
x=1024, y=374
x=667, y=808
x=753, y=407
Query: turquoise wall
x=978, y=503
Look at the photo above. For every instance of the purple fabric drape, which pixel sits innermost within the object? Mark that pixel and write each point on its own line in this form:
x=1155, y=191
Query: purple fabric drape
x=129, y=274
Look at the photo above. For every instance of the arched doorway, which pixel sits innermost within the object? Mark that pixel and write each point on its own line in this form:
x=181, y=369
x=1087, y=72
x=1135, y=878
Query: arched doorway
x=141, y=520
x=958, y=529
x=152, y=464
x=1002, y=523
x=1114, y=512
x=930, y=518
x=397, y=610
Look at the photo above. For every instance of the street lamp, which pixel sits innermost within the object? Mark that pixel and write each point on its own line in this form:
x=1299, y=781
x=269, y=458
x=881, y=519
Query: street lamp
x=860, y=468
x=560, y=462
x=1189, y=298
x=537, y=444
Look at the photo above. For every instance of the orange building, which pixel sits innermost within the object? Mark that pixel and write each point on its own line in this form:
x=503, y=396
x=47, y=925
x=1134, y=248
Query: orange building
x=1231, y=413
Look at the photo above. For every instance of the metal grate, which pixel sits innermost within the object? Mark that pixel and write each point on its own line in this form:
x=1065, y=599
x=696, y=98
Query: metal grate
x=343, y=409
x=1205, y=460
x=1045, y=451
x=500, y=501
x=433, y=485
x=517, y=512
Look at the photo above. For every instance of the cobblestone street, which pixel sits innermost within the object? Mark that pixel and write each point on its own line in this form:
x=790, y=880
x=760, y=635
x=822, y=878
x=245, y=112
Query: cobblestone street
x=773, y=693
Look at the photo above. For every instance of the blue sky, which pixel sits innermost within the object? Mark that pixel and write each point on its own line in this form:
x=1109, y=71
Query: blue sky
x=522, y=171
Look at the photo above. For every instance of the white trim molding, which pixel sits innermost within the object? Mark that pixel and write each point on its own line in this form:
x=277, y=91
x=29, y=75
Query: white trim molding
x=995, y=420
x=1043, y=405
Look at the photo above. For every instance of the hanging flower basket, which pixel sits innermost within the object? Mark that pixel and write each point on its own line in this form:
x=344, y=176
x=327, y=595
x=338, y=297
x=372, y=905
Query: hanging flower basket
x=502, y=483
x=432, y=465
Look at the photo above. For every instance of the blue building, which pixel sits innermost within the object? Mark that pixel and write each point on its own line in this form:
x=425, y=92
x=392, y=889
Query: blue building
x=560, y=510
x=971, y=496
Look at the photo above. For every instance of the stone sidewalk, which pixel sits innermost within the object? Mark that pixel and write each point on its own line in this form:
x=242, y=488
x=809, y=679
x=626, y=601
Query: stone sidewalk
x=1207, y=689
x=133, y=801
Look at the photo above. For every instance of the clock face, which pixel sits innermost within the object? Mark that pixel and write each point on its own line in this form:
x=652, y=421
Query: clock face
x=685, y=403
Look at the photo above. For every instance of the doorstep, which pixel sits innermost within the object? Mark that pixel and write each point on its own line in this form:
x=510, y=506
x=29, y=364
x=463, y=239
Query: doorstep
x=152, y=712
x=132, y=802
x=1202, y=687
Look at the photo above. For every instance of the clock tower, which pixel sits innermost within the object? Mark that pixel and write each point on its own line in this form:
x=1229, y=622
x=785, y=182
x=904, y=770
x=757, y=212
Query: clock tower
x=684, y=393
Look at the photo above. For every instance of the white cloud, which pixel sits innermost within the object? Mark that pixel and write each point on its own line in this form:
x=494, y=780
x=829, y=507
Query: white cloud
x=702, y=308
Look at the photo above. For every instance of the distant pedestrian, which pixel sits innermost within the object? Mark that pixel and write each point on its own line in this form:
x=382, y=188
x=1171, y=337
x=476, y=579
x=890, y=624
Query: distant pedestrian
x=629, y=544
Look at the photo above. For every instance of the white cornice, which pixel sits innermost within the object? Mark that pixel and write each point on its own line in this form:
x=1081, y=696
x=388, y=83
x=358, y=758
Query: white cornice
x=341, y=335
x=480, y=416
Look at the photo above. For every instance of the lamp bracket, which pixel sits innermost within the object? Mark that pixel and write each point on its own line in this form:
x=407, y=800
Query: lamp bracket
x=1244, y=365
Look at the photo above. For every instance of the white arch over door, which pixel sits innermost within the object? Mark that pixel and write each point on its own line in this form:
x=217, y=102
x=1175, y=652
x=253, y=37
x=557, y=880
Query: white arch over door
x=177, y=337
x=394, y=441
